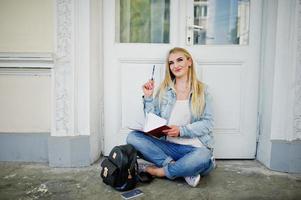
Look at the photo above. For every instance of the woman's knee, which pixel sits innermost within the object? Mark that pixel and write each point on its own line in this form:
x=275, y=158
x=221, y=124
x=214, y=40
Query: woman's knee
x=132, y=138
x=202, y=155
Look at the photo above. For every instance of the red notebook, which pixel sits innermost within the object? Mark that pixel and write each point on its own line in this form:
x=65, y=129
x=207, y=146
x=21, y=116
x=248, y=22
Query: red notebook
x=153, y=125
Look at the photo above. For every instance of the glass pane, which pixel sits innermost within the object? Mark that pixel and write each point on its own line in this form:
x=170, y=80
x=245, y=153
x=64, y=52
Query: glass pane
x=142, y=21
x=221, y=22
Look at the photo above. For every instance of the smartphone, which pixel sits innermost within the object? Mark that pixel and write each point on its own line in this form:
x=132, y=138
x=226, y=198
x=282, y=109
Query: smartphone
x=132, y=194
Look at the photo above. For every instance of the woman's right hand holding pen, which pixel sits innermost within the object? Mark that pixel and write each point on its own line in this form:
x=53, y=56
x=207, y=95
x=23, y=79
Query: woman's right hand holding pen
x=148, y=88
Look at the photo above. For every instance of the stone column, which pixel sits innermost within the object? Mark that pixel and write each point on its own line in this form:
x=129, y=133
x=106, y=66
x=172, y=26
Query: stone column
x=69, y=144
x=297, y=111
x=64, y=70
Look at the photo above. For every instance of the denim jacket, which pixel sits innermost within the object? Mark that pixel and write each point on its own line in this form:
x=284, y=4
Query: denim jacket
x=200, y=127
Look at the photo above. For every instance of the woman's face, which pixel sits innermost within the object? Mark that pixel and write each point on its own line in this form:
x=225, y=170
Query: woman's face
x=179, y=64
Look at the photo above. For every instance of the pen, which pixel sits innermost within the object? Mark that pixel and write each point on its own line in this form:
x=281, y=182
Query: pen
x=153, y=72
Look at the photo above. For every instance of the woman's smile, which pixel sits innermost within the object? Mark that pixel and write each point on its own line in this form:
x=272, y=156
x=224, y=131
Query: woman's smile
x=178, y=69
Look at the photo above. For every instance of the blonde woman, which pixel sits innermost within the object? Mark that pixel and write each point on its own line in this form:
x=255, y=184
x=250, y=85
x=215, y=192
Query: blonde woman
x=184, y=102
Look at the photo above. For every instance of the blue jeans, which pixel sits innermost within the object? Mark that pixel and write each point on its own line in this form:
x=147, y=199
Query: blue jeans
x=189, y=160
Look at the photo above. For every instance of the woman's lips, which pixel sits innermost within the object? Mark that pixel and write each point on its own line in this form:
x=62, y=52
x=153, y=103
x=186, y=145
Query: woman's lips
x=177, y=70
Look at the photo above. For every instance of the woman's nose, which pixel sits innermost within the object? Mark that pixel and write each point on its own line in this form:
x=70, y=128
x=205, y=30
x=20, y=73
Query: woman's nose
x=177, y=65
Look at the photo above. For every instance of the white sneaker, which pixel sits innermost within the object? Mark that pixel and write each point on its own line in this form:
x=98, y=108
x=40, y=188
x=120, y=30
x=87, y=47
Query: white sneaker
x=213, y=161
x=193, y=181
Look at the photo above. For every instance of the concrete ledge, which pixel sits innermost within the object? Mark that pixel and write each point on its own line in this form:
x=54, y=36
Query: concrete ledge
x=286, y=156
x=70, y=151
x=25, y=147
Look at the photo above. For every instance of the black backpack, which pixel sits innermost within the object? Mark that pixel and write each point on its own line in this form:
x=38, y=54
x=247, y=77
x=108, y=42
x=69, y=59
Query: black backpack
x=119, y=169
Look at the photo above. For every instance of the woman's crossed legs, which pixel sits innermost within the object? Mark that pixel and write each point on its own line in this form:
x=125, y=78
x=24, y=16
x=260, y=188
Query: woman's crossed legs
x=172, y=160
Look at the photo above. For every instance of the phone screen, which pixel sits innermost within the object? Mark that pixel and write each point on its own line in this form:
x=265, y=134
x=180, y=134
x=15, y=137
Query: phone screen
x=131, y=194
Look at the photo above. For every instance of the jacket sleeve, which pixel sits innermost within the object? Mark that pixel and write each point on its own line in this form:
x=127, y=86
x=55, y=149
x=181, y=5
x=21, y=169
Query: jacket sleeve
x=204, y=125
x=151, y=104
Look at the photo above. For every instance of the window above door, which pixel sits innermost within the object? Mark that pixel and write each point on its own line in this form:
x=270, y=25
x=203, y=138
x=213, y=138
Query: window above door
x=208, y=22
x=142, y=21
x=218, y=22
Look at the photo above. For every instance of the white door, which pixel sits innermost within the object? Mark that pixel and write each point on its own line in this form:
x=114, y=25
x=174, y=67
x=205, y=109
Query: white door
x=223, y=38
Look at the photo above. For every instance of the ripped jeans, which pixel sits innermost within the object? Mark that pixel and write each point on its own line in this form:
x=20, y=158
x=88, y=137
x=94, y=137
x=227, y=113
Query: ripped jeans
x=189, y=160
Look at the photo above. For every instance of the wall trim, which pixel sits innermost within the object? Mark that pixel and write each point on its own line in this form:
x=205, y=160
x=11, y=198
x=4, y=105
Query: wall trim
x=24, y=147
x=69, y=151
x=26, y=60
x=17, y=71
x=285, y=156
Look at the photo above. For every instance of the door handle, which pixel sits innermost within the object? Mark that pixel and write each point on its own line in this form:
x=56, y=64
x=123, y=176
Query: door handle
x=189, y=31
x=195, y=27
x=190, y=27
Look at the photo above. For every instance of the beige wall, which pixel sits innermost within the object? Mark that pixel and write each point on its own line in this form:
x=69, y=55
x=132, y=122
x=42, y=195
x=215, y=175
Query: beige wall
x=26, y=25
x=25, y=95
x=25, y=103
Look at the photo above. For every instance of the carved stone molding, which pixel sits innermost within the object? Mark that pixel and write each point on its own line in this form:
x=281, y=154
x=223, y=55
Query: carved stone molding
x=63, y=68
x=297, y=117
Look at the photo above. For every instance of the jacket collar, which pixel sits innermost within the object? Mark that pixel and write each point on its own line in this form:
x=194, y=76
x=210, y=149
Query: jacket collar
x=173, y=91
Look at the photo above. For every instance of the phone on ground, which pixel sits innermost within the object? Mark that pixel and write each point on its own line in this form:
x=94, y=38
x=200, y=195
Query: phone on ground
x=132, y=194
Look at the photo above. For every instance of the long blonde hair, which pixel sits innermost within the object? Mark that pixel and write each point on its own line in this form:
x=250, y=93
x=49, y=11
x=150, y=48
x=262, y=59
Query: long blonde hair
x=197, y=87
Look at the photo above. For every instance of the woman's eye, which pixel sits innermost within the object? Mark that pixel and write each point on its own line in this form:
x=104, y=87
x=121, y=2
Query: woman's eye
x=180, y=59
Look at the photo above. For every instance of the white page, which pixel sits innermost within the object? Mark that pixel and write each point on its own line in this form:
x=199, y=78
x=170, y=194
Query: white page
x=153, y=121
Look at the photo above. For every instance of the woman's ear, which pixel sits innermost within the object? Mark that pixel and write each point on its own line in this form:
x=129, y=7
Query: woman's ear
x=189, y=62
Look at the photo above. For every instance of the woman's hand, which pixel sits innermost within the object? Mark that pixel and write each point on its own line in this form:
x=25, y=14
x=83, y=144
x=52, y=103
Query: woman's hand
x=148, y=88
x=174, y=131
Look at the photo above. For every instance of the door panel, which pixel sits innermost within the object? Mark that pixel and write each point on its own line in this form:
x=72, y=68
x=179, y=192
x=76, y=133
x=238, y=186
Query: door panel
x=132, y=108
x=226, y=85
x=228, y=88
